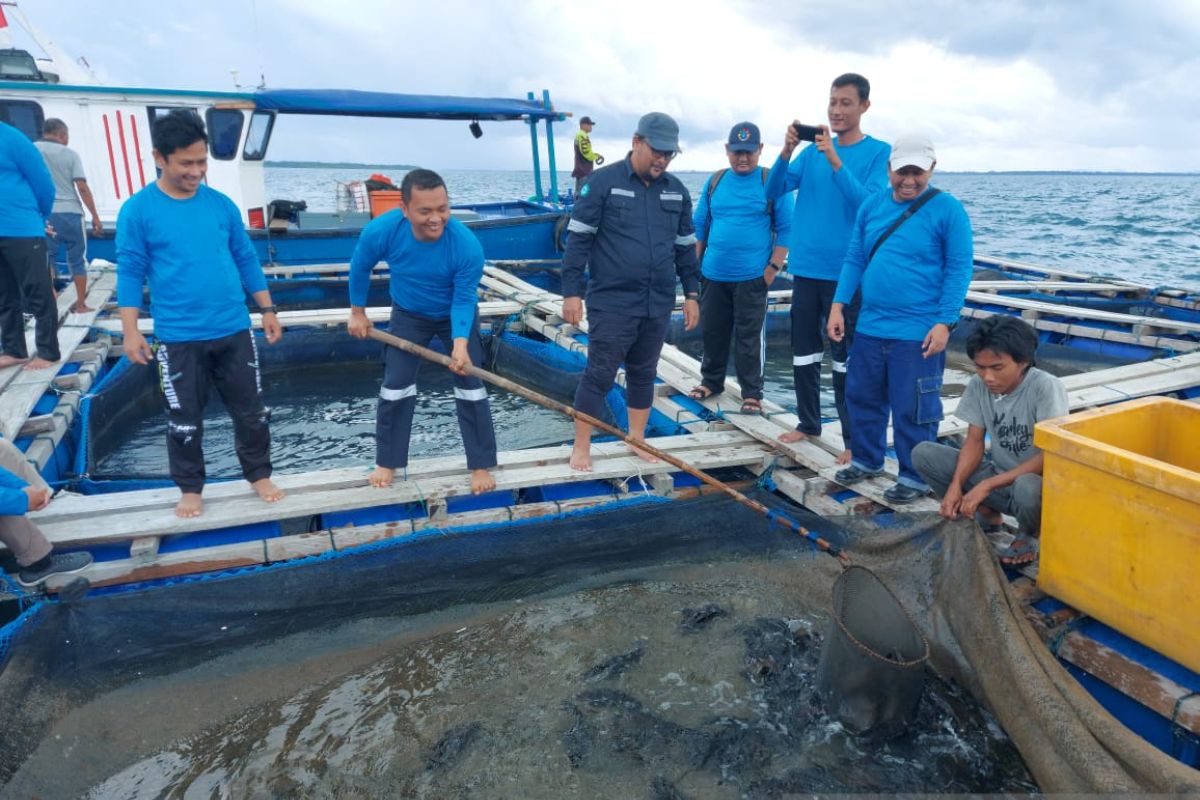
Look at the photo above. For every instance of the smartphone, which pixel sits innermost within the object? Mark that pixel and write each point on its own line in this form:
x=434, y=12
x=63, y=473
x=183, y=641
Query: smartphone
x=807, y=133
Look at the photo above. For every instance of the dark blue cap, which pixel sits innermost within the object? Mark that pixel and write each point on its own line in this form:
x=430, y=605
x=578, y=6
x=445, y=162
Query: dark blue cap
x=744, y=138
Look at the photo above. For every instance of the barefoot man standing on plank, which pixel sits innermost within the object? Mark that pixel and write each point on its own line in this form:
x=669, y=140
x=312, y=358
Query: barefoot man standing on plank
x=631, y=228
x=189, y=241
x=435, y=264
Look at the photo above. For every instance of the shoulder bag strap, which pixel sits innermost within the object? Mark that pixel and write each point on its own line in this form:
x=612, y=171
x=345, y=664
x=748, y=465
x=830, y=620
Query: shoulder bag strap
x=914, y=208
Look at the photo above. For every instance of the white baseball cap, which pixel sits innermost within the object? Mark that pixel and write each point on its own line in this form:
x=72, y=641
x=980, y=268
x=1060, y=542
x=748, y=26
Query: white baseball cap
x=912, y=151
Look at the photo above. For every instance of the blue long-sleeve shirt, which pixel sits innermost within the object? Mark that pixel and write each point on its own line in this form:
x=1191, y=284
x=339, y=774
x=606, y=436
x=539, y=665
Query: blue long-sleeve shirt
x=26, y=187
x=739, y=243
x=197, y=257
x=13, y=501
x=434, y=279
x=920, y=274
x=826, y=201
x=634, y=241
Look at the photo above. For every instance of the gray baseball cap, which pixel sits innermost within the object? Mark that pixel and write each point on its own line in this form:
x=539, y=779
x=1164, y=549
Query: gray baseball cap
x=660, y=131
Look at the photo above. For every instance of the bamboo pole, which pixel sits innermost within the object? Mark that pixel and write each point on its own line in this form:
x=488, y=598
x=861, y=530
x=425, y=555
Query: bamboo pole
x=562, y=408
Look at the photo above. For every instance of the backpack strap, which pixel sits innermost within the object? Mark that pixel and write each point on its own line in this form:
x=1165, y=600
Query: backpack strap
x=712, y=187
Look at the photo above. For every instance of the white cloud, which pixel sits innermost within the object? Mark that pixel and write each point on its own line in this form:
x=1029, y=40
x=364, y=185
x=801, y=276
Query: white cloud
x=999, y=84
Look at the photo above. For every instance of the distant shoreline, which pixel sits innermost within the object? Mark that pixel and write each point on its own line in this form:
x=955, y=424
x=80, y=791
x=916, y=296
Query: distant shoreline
x=333, y=165
x=1032, y=172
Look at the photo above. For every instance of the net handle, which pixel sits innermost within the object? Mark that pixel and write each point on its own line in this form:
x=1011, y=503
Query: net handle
x=547, y=402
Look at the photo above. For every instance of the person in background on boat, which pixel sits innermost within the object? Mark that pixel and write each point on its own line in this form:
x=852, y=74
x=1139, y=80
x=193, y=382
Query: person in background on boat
x=1005, y=398
x=632, y=229
x=910, y=254
x=831, y=178
x=742, y=245
x=26, y=200
x=70, y=186
x=586, y=159
x=188, y=241
x=436, y=264
x=22, y=490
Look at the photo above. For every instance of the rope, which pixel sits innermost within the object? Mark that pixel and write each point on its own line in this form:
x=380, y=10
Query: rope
x=1182, y=736
x=1070, y=627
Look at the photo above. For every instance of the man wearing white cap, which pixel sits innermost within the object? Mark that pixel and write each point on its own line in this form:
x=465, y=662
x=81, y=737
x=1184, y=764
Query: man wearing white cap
x=911, y=255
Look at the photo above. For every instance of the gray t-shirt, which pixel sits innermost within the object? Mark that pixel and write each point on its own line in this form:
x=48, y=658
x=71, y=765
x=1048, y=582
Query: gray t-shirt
x=65, y=167
x=1009, y=418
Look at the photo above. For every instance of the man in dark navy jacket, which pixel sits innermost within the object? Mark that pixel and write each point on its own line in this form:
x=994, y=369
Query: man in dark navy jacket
x=632, y=228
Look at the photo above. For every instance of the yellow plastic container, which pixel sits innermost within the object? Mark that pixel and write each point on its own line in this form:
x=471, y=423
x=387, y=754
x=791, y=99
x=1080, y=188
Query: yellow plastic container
x=1121, y=520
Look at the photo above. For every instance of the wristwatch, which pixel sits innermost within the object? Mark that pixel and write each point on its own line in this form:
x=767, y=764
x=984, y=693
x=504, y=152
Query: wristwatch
x=692, y=296
x=778, y=267
x=268, y=310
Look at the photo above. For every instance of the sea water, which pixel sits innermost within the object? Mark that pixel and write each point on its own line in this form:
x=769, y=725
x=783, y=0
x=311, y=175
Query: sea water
x=671, y=681
x=1143, y=228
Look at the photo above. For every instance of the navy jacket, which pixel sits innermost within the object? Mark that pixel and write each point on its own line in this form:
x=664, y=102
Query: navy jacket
x=634, y=240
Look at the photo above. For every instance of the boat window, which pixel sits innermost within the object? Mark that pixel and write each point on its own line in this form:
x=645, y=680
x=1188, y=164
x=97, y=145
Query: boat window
x=24, y=115
x=18, y=65
x=224, y=132
x=261, y=125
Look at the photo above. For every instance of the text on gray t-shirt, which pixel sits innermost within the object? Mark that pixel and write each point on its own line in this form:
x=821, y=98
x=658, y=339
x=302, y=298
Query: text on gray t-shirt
x=1009, y=418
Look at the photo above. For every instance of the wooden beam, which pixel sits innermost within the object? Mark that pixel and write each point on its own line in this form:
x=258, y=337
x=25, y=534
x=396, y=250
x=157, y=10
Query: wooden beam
x=23, y=392
x=136, y=519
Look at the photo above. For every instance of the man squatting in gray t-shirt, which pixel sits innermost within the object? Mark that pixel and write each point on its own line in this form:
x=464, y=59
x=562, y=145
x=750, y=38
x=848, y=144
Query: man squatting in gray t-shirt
x=1006, y=397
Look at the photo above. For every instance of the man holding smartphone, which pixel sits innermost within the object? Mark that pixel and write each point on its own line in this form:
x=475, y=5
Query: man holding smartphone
x=831, y=179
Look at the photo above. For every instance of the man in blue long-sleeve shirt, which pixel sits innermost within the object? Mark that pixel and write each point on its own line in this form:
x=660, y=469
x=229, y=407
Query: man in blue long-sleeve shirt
x=435, y=264
x=911, y=256
x=831, y=178
x=632, y=229
x=188, y=241
x=26, y=200
x=742, y=243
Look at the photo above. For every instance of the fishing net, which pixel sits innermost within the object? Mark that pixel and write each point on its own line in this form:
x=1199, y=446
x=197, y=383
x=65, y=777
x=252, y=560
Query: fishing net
x=652, y=648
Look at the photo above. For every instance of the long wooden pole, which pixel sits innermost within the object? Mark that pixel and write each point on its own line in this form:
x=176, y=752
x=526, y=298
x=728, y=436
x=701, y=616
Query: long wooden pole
x=562, y=408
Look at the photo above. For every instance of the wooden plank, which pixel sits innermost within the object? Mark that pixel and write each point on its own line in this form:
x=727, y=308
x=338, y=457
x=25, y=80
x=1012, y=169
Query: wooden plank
x=1099, y=387
x=1057, y=286
x=66, y=507
x=705, y=451
x=1092, y=332
x=1160, y=323
x=263, y=551
x=41, y=450
x=23, y=392
x=1149, y=688
x=324, y=316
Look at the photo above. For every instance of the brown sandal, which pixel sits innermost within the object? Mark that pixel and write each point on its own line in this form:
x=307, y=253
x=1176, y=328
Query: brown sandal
x=751, y=405
x=701, y=392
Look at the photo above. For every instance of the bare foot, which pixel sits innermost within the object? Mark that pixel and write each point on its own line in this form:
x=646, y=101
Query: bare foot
x=581, y=459
x=845, y=457
x=38, y=363
x=792, y=437
x=267, y=490
x=190, y=504
x=382, y=477
x=81, y=308
x=643, y=455
x=482, y=481
x=11, y=361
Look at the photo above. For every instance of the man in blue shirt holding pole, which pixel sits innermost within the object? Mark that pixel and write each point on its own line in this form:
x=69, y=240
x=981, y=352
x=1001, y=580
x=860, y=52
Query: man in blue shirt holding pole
x=831, y=178
x=435, y=265
x=741, y=240
x=188, y=241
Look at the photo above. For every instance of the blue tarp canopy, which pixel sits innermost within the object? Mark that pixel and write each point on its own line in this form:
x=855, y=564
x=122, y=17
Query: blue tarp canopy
x=347, y=102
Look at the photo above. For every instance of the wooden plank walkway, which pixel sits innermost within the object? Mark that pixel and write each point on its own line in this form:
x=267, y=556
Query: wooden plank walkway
x=149, y=513
x=24, y=389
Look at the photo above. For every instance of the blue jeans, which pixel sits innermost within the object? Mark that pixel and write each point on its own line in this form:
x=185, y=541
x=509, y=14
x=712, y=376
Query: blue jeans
x=891, y=376
x=68, y=233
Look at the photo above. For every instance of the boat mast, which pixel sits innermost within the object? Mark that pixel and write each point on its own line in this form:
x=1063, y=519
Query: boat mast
x=550, y=147
x=537, y=162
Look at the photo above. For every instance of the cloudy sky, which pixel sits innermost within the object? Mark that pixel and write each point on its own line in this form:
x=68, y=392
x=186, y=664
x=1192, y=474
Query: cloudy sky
x=997, y=84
